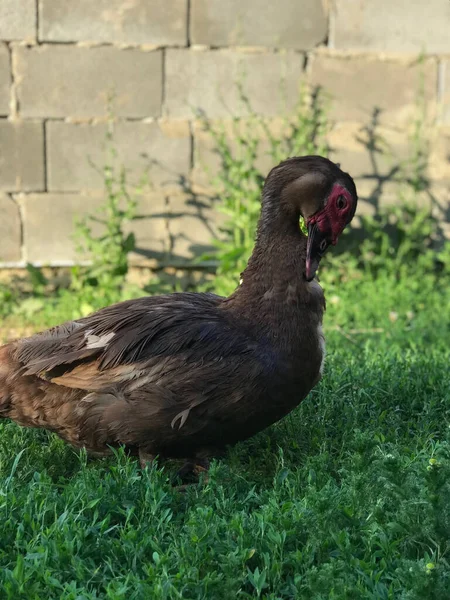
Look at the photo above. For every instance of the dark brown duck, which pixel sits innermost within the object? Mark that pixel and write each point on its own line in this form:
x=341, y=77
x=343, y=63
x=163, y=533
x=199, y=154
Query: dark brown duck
x=184, y=375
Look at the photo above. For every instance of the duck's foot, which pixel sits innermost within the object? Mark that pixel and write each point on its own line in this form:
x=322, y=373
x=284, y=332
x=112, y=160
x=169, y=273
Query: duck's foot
x=145, y=459
x=191, y=471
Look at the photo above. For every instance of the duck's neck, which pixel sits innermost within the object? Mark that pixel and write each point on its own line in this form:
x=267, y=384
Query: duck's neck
x=274, y=297
x=275, y=270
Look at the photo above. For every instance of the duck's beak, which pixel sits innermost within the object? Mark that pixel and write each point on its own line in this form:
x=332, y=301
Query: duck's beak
x=316, y=247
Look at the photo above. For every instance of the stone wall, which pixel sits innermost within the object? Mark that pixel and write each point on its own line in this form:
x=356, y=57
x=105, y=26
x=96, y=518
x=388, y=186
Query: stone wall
x=65, y=63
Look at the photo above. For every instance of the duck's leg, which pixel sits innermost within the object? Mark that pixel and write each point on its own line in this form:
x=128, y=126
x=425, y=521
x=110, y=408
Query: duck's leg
x=145, y=459
x=191, y=471
x=202, y=466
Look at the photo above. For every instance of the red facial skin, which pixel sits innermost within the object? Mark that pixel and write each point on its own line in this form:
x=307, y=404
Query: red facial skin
x=332, y=220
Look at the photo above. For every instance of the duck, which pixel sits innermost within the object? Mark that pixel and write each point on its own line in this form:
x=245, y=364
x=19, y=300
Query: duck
x=187, y=375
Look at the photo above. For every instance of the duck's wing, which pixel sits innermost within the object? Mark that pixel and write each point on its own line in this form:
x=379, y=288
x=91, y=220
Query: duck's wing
x=122, y=342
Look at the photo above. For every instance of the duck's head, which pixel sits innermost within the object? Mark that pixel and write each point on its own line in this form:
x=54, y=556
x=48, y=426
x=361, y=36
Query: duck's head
x=318, y=190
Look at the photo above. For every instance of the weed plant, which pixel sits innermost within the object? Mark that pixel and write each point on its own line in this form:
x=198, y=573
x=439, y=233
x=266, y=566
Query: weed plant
x=240, y=177
x=107, y=252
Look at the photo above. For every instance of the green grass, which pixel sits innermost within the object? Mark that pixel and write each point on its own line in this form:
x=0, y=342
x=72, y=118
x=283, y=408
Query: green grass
x=347, y=498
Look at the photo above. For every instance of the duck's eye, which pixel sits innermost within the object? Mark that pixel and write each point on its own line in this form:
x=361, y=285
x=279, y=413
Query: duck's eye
x=341, y=202
x=323, y=245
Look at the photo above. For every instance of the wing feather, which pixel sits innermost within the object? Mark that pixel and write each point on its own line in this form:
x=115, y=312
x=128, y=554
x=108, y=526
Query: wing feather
x=148, y=337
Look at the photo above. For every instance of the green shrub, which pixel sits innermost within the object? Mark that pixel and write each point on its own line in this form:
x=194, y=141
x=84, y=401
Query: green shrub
x=107, y=252
x=400, y=240
x=240, y=178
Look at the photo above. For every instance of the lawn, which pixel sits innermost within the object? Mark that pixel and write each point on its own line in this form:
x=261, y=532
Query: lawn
x=347, y=498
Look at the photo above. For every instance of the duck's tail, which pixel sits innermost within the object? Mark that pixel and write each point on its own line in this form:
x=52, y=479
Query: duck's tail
x=7, y=369
x=17, y=393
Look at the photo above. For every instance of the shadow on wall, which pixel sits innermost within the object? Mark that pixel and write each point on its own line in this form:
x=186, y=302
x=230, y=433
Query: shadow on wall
x=392, y=180
x=170, y=224
x=398, y=199
x=183, y=220
x=396, y=189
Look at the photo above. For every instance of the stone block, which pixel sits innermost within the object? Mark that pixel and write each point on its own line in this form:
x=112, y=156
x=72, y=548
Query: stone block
x=159, y=22
x=376, y=156
x=282, y=24
x=373, y=198
x=207, y=160
x=441, y=207
x=209, y=81
x=405, y=26
x=374, y=195
x=151, y=230
x=192, y=226
x=5, y=80
x=18, y=20
x=77, y=153
x=439, y=161
x=445, y=97
x=10, y=231
x=66, y=80
x=361, y=86
x=22, y=156
x=49, y=225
